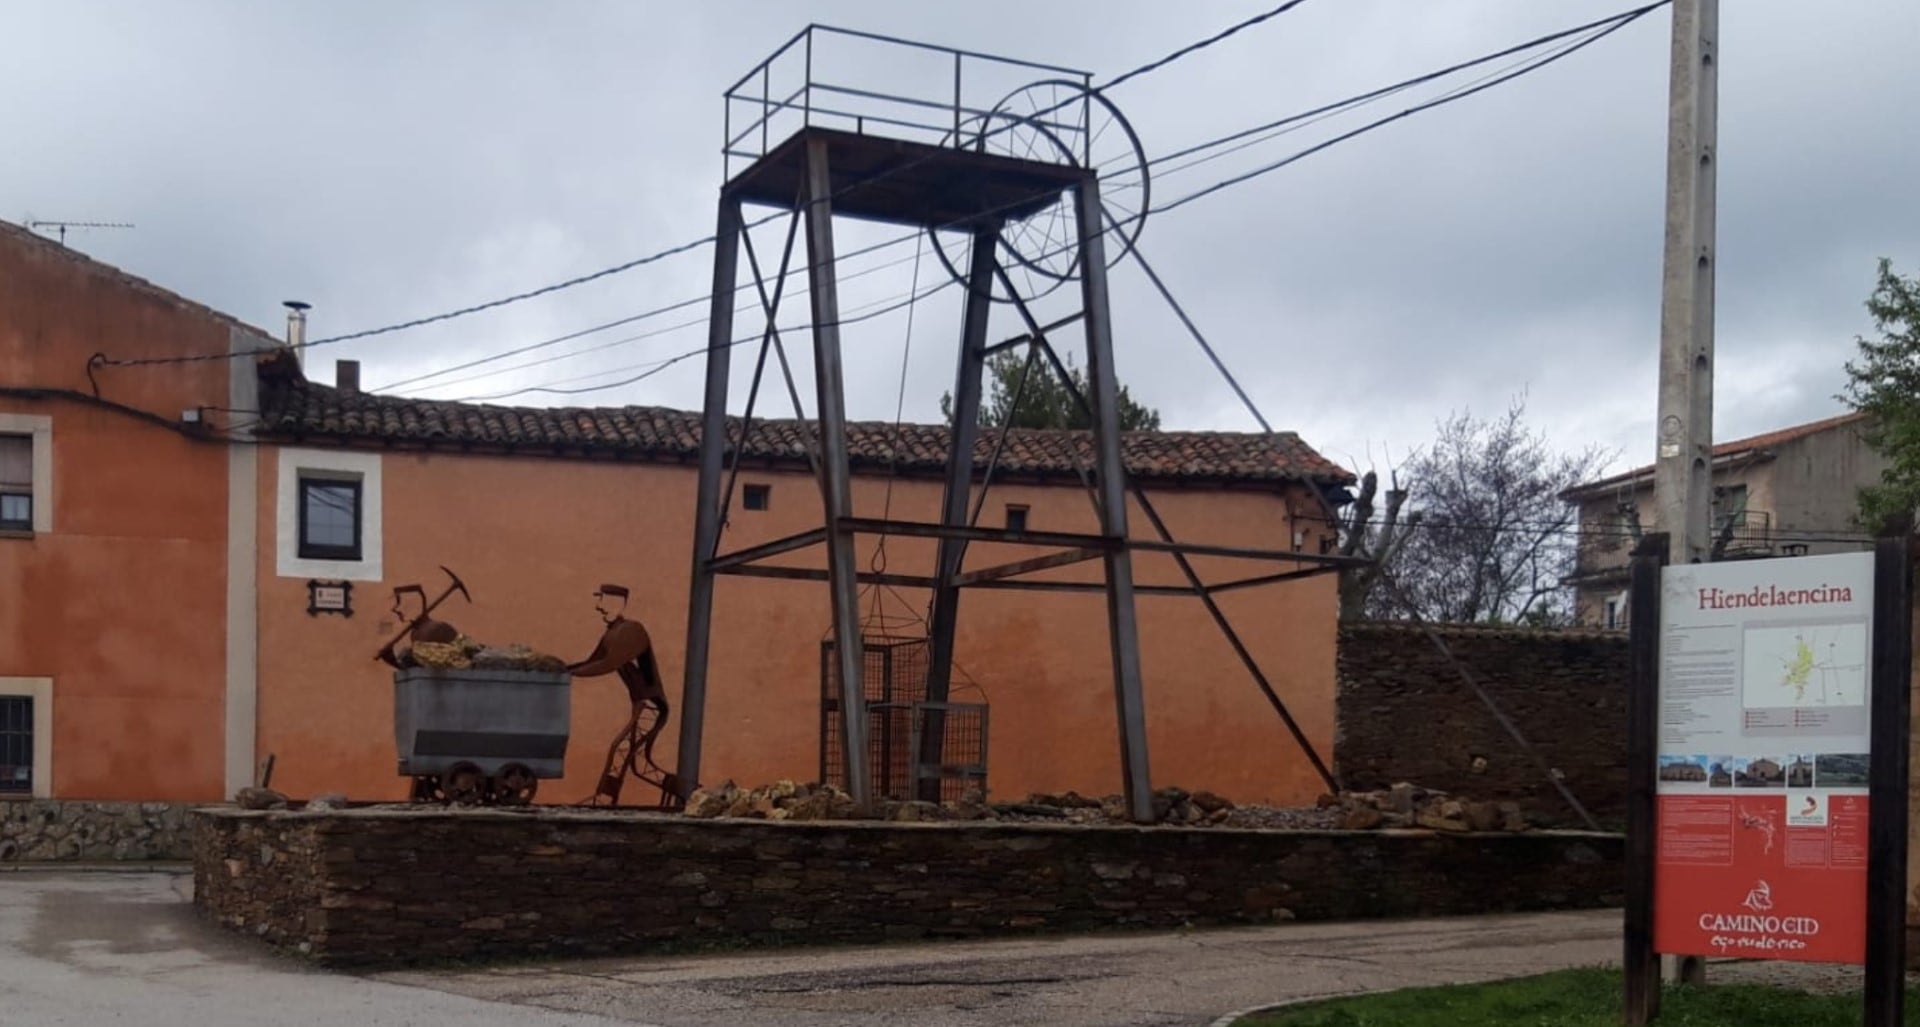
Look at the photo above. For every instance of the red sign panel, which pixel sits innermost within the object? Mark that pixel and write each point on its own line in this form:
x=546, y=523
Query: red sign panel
x=1763, y=877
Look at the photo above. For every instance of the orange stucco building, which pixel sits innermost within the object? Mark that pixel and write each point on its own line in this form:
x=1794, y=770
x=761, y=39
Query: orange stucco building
x=155, y=614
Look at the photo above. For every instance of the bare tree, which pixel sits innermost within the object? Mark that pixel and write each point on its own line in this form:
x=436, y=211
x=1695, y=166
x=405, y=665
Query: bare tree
x=1494, y=540
x=1379, y=541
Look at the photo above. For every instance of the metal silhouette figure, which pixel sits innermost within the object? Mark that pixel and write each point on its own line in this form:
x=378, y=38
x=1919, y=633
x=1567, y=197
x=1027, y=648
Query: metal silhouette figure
x=627, y=650
x=421, y=627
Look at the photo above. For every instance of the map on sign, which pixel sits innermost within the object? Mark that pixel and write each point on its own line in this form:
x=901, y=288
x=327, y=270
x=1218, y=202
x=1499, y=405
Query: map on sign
x=1804, y=665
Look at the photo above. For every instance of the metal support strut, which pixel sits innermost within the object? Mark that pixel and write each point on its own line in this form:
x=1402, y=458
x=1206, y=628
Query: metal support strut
x=706, y=517
x=1111, y=475
x=835, y=476
x=953, y=508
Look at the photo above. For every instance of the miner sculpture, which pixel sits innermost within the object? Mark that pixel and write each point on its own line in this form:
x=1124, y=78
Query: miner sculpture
x=627, y=650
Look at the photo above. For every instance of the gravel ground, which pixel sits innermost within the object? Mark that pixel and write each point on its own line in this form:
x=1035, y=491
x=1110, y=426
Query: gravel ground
x=1820, y=978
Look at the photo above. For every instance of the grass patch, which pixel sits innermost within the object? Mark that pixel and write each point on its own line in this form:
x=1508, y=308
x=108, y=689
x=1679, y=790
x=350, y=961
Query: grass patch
x=1575, y=998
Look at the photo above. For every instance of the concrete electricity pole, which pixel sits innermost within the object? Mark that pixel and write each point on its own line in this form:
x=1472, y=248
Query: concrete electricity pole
x=1683, y=467
x=1683, y=464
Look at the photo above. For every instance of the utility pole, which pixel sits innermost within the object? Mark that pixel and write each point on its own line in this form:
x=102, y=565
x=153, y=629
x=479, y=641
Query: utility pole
x=1683, y=466
x=1683, y=463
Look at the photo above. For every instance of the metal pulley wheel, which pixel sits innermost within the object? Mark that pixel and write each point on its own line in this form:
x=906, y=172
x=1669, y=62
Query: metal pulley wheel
x=1056, y=121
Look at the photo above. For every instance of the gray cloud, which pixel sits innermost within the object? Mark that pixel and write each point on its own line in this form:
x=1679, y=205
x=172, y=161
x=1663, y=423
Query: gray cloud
x=384, y=161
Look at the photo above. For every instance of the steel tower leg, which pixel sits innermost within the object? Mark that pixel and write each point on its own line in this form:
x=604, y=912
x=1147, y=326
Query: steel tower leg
x=836, y=484
x=959, y=489
x=1122, y=623
x=706, y=517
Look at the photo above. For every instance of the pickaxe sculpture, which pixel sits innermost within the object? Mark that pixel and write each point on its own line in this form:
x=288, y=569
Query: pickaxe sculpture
x=422, y=627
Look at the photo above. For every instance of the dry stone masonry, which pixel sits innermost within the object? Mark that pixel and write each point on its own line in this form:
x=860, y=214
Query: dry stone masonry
x=39, y=830
x=369, y=887
x=1405, y=715
x=787, y=800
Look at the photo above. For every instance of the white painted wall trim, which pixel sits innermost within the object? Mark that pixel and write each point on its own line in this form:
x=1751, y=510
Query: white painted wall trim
x=40, y=426
x=242, y=699
x=335, y=463
x=41, y=691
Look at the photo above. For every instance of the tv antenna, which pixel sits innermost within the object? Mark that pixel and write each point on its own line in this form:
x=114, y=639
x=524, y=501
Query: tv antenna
x=62, y=226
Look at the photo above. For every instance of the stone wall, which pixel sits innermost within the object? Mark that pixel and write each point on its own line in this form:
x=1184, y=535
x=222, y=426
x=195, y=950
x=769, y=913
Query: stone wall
x=58, y=829
x=382, y=887
x=1405, y=715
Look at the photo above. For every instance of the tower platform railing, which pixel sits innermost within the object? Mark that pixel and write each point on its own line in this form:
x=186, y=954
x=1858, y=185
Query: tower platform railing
x=867, y=83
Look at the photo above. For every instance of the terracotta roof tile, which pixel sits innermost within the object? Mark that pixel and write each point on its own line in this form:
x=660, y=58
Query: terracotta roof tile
x=294, y=408
x=1722, y=451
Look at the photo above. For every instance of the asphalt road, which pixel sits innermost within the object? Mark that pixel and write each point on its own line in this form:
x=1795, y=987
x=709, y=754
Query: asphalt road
x=105, y=948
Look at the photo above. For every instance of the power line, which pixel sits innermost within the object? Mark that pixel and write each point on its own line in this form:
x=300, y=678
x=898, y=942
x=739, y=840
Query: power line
x=671, y=251
x=1193, y=48
x=1397, y=87
x=900, y=303
x=1611, y=24
x=1599, y=28
x=1571, y=528
x=1619, y=22
x=692, y=301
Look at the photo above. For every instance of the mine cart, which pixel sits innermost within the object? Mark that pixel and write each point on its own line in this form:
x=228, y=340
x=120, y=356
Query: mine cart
x=480, y=736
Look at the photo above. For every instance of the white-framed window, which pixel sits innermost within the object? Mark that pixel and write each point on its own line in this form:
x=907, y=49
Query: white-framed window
x=1616, y=612
x=26, y=738
x=331, y=519
x=327, y=515
x=26, y=474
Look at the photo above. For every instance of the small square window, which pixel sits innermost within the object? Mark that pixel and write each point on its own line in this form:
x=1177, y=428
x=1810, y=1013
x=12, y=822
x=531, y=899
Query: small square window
x=756, y=497
x=16, y=744
x=329, y=519
x=1016, y=517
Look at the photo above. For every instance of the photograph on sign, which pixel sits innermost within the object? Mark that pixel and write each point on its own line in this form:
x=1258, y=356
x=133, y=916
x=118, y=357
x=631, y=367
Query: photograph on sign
x=1761, y=787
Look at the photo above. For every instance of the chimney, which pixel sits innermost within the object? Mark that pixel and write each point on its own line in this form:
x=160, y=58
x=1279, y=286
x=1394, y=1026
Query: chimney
x=297, y=324
x=346, y=375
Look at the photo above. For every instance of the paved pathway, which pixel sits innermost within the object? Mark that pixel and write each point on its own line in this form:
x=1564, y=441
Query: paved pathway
x=105, y=948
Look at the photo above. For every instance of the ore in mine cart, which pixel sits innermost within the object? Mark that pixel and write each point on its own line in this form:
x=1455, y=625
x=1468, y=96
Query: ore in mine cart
x=478, y=725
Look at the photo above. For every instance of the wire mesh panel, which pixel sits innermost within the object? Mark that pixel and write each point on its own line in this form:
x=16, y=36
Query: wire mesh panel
x=16, y=743
x=894, y=670
x=950, y=748
x=894, y=679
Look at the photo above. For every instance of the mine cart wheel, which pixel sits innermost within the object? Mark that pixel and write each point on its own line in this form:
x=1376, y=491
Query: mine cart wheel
x=465, y=785
x=426, y=788
x=515, y=785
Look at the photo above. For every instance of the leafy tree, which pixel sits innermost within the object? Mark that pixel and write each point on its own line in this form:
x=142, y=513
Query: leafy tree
x=1046, y=402
x=1493, y=540
x=1885, y=384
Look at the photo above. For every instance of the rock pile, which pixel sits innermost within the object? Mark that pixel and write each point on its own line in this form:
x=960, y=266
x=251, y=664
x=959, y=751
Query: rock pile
x=1407, y=806
x=787, y=800
x=464, y=653
x=782, y=800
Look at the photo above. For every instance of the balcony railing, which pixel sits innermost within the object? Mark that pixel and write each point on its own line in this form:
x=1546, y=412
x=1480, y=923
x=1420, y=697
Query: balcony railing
x=863, y=82
x=1745, y=534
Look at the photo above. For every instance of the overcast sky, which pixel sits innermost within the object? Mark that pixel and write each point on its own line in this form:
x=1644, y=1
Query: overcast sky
x=385, y=161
